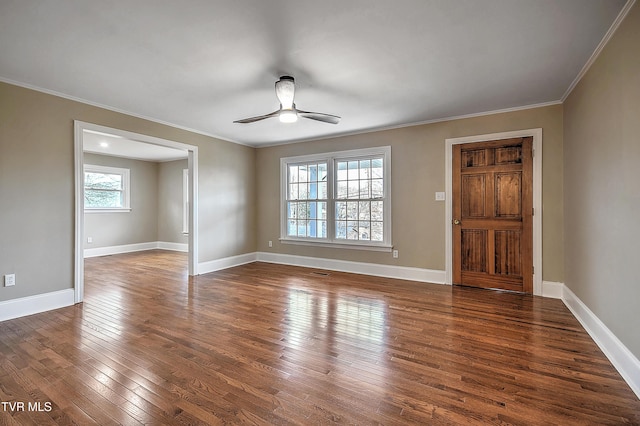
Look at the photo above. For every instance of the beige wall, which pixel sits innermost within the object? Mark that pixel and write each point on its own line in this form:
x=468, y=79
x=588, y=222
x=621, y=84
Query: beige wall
x=170, y=209
x=602, y=185
x=140, y=225
x=418, y=168
x=37, y=188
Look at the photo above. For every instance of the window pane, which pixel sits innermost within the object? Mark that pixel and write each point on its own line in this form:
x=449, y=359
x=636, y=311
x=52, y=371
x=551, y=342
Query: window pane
x=105, y=199
x=293, y=174
x=353, y=170
x=377, y=210
x=341, y=171
x=352, y=230
x=376, y=168
x=341, y=230
x=377, y=233
x=365, y=230
x=364, y=211
x=322, y=229
x=365, y=169
x=291, y=229
x=93, y=180
x=322, y=172
x=303, y=191
x=293, y=191
x=342, y=190
x=365, y=189
x=377, y=188
x=354, y=189
x=321, y=210
x=322, y=190
x=341, y=210
x=352, y=210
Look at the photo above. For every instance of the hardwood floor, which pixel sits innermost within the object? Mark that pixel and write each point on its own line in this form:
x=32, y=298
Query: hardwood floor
x=272, y=344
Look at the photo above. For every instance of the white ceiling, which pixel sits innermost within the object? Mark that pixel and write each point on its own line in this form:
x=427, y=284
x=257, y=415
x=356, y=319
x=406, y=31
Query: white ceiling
x=202, y=64
x=117, y=146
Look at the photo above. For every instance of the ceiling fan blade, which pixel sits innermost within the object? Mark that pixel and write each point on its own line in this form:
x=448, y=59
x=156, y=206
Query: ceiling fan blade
x=285, y=89
x=319, y=116
x=258, y=118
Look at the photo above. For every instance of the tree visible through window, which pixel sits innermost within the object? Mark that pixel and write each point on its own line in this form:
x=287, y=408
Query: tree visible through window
x=106, y=188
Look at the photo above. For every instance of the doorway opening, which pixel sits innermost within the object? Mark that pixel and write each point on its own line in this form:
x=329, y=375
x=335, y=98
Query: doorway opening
x=101, y=142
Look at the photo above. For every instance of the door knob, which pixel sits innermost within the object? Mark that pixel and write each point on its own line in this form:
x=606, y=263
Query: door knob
x=456, y=222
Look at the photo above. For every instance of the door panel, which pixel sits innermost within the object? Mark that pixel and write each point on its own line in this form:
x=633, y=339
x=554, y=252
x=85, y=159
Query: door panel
x=492, y=212
x=474, y=198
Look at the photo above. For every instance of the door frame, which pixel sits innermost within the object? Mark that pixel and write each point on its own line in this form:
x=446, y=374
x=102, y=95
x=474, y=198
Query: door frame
x=192, y=161
x=537, y=198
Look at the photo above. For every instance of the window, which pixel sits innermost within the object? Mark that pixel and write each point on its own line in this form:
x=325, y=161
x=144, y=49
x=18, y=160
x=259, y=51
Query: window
x=339, y=199
x=106, y=188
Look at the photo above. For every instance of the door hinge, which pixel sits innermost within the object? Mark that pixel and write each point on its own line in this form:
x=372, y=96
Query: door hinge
x=533, y=270
x=533, y=211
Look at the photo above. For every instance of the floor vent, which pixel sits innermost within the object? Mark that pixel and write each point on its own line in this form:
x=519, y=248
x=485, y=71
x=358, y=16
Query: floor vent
x=322, y=274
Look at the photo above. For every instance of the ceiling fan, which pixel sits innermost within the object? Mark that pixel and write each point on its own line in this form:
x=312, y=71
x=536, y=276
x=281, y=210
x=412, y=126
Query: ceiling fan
x=288, y=113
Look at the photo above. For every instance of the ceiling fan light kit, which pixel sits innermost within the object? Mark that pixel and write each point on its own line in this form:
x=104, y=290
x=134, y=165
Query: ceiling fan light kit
x=288, y=113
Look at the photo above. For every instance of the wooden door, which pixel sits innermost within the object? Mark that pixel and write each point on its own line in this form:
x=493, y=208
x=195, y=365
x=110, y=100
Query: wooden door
x=493, y=214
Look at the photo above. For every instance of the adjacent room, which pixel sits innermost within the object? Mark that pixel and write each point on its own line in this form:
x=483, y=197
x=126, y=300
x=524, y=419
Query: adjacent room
x=416, y=212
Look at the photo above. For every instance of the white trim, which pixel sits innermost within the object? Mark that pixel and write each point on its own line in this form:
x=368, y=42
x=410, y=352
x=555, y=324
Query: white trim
x=387, y=271
x=192, y=150
x=30, y=305
x=181, y=247
x=537, y=197
x=353, y=245
x=592, y=59
x=227, y=262
x=131, y=248
x=552, y=289
x=620, y=356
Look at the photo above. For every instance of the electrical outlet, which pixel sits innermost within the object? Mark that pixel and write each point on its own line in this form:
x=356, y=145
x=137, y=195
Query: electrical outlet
x=395, y=254
x=439, y=196
x=9, y=280
x=270, y=243
x=89, y=240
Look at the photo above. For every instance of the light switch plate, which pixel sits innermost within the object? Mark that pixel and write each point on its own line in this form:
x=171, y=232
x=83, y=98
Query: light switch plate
x=439, y=196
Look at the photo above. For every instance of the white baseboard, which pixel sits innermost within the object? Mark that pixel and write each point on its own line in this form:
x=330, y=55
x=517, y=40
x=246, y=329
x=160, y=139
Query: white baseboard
x=130, y=248
x=620, y=356
x=227, y=262
x=30, y=305
x=182, y=247
x=552, y=289
x=388, y=271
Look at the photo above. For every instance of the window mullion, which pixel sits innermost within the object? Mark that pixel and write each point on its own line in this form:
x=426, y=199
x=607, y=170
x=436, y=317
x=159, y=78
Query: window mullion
x=331, y=200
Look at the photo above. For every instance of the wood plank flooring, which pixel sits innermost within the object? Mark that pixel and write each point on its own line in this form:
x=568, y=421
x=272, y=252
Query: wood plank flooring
x=272, y=344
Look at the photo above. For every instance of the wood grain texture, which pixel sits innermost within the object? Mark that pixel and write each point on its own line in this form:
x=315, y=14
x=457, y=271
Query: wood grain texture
x=272, y=344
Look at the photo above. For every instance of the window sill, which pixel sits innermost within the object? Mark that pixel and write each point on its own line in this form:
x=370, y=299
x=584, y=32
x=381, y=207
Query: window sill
x=107, y=210
x=333, y=244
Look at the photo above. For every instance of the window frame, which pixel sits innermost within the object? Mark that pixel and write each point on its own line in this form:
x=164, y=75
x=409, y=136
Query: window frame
x=331, y=159
x=126, y=188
